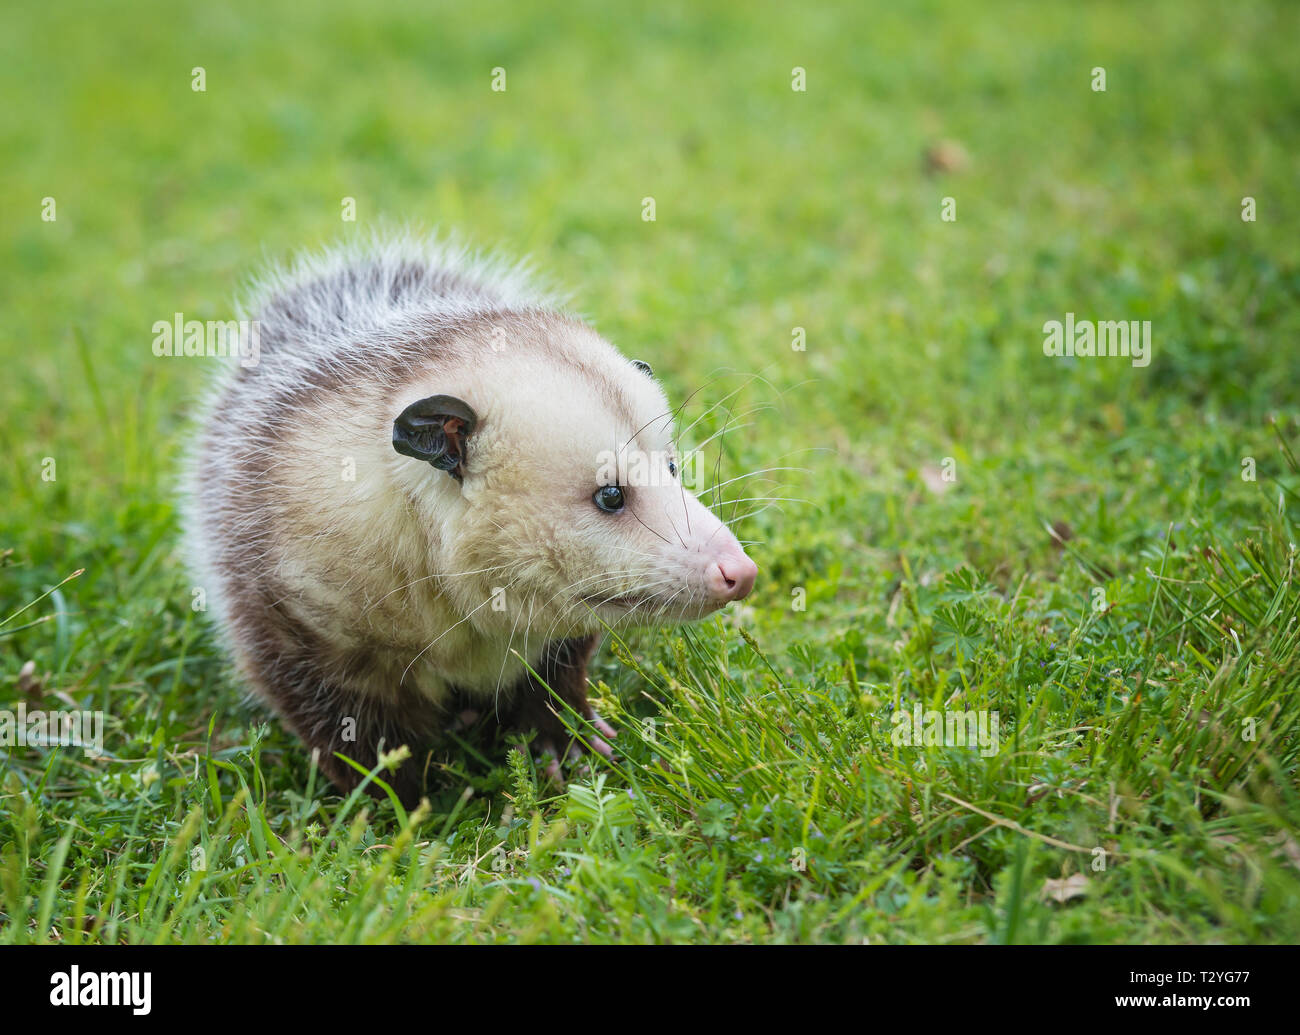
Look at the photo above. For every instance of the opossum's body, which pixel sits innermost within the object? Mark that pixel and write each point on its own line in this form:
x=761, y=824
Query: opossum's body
x=405, y=503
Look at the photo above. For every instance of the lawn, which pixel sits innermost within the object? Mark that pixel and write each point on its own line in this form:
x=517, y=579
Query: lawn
x=851, y=282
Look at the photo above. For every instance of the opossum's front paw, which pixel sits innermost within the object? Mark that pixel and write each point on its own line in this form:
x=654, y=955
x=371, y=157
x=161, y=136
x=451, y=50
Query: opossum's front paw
x=555, y=741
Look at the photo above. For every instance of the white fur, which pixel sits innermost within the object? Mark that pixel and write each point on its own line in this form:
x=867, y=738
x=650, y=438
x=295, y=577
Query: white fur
x=400, y=561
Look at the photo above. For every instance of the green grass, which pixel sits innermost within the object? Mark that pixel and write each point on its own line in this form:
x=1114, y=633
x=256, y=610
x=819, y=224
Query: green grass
x=1122, y=716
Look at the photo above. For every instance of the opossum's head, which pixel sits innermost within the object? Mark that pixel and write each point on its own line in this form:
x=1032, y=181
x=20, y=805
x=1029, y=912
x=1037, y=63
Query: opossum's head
x=552, y=478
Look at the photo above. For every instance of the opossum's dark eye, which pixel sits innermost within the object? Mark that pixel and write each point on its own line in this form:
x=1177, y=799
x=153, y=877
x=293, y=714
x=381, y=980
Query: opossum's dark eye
x=609, y=498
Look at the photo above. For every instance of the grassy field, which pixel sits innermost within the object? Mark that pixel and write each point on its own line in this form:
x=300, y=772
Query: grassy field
x=1099, y=554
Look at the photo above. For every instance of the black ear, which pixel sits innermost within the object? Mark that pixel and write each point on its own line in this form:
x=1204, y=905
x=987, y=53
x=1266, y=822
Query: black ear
x=643, y=366
x=436, y=431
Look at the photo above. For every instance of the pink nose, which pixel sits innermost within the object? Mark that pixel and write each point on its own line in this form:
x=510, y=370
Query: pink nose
x=731, y=576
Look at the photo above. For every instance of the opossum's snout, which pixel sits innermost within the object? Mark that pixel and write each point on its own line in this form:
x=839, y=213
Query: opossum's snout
x=697, y=565
x=731, y=576
x=719, y=569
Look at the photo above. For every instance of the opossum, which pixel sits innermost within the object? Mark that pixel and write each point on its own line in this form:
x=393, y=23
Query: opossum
x=431, y=492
